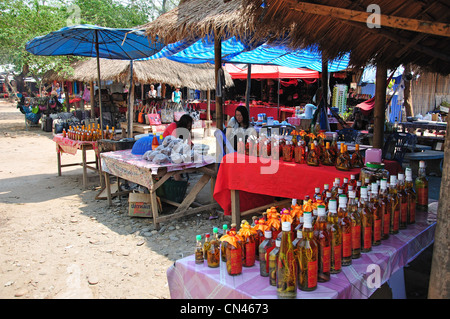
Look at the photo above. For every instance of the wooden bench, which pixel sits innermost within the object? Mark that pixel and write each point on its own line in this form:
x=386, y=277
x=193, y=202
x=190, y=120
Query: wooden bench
x=432, y=158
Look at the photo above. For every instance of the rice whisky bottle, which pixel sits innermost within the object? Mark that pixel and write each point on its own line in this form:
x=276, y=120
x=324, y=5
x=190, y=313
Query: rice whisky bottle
x=355, y=217
x=375, y=206
x=342, y=161
x=346, y=227
x=264, y=250
x=395, y=206
x=199, y=259
x=366, y=221
x=385, y=205
x=323, y=238
x=273, y=260
x=307, y=256
x=286, y=267
x=412, y=197
x=213, y=253
x=336, y=238
x=403, y=201
x=422, y=188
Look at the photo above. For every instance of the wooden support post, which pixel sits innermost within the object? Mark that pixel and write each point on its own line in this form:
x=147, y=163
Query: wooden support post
x=379, y=109
x=235, y=208
x=439, y=279
x=249, y=87
x=217, y=66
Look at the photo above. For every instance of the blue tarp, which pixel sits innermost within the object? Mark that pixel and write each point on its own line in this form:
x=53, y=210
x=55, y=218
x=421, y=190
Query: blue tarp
x=234, y=51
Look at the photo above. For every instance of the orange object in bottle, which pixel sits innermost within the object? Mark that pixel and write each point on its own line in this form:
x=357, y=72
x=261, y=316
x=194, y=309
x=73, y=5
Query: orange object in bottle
x=357, y=160
x=313, y=157
x=342, y=162
x=241, y=146
x=288, y=151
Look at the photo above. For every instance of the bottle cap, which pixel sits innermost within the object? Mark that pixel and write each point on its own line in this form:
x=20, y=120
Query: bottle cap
x=421, y=164
x=326, y=186
x=215, y=230
x=383, y=184
x=294, y=202
x=207, y=235
x=364, y=191
x=345, y=180
x=358, y=183
x=278, y=242
x=321, y=210
x=374, y=188
x=299, y=233
x=225, y=227
x=393, y=180
x=352, y=176
x=286, y=226
x=317, y=189
x=401, y=176
x=307, y=220
x=328, y=194
x=268, y=234
x=351, y=194
x=199, y=237
x=332, y=205
x=350, y=187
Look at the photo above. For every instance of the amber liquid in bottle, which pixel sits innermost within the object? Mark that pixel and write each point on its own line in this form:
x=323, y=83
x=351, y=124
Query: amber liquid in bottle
x=287, y=271
x=223, y=245
x=313, y=156
x=264, y=250
x=342, y=161
x=357, y=159
x=355, y=217
x=307, y=257
x=377, y=214
x=328, y=157
x=336, y=238
x=213, y=254
x=403, y=201
x=199, y=259
x=273, y=260
x=395, y=206
x=206, y=246
x=346, y=227
x=385, y=205
x=412, y=197
x=422, y=188
x=366, y=222
x=323, y=238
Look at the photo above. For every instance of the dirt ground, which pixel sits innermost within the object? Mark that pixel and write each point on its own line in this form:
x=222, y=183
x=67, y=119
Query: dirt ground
x=58, y=241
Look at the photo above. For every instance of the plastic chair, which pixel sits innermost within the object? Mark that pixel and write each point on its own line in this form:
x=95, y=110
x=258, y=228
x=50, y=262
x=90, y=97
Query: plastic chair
x=397, y=144
x=348, y=135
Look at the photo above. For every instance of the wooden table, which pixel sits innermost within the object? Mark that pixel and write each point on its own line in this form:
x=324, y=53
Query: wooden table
x=69, y=146
x=424, y=125
x=125, y=165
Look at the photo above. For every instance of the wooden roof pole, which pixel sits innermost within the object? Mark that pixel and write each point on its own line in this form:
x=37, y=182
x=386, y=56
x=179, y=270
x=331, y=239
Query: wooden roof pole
x=436, y=28
x=379, y=108
x=217, y=66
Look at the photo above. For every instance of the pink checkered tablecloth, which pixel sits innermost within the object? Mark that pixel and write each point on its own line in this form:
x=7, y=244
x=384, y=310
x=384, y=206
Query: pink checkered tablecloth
x=189, y=280
x=67, y=145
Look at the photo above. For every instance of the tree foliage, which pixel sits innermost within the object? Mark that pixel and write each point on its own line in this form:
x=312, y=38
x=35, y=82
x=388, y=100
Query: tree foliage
x=22, y=20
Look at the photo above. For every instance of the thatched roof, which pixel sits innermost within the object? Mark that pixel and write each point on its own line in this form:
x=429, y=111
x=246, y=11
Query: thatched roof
x=194, y=76
x=337, y=35
x=199, y=18
x=248, y=20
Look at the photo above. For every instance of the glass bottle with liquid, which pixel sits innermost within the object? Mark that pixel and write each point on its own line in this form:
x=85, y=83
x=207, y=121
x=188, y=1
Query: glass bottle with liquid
x=357, y=158
x=223, y=244
x=213, y=253
x=327, y=157
x=264, y=250
x=287, y=271
x=355, y=217
x=395, y=205
x=377, y=223
x=199, y=259
x=412, y=197
x=206, y=246
x=346, y=227
x=313, y=156
x=342, y=161
x=307, y=257
x=386, y=209
x=421, y=184
x=366, y=221
x=336, y=238
x=323, y=237
x=273, y=260
x=403, y=201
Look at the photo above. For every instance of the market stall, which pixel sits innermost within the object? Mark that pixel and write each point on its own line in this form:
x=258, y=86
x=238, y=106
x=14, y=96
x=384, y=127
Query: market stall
x=198, y=281
x=134, y=168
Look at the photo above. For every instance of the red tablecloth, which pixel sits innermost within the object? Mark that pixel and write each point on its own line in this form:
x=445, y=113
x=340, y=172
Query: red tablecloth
x=67, y=145
x=258, y=181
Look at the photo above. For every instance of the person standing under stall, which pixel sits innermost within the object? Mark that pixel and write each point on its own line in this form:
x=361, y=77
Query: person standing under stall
x=152, y=93
x=176, y=95
x=239, y=126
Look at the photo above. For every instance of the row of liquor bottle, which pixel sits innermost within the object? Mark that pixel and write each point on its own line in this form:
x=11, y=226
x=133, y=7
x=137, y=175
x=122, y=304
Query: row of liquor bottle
x=90, y=132
x=315, y=154
x=315, y=239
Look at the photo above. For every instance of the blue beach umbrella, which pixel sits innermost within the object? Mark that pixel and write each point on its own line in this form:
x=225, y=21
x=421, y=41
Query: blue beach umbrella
x=94, y=41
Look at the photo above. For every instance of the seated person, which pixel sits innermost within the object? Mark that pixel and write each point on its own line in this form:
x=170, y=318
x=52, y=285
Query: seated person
x=359, y=123
x=239, y=126
x=181, y=128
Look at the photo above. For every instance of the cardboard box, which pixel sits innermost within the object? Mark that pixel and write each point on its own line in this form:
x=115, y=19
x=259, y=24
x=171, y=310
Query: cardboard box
x=139, y=205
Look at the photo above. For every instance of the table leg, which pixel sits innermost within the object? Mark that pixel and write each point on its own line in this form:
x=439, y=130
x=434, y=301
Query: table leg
x=83, y=150
x=155, y=214
x=58, y=158
x=108, y=189
x=235, y=208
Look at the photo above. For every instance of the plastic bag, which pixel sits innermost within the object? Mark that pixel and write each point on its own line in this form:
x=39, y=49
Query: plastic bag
x=160, y=159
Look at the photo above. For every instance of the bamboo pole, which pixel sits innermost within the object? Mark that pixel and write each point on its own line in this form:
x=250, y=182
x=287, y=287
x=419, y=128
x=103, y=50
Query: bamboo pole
x=379, y=109
x=217, y=65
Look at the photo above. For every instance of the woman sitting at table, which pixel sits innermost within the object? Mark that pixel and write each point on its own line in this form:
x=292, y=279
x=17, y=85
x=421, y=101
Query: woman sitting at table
x=239, y=126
